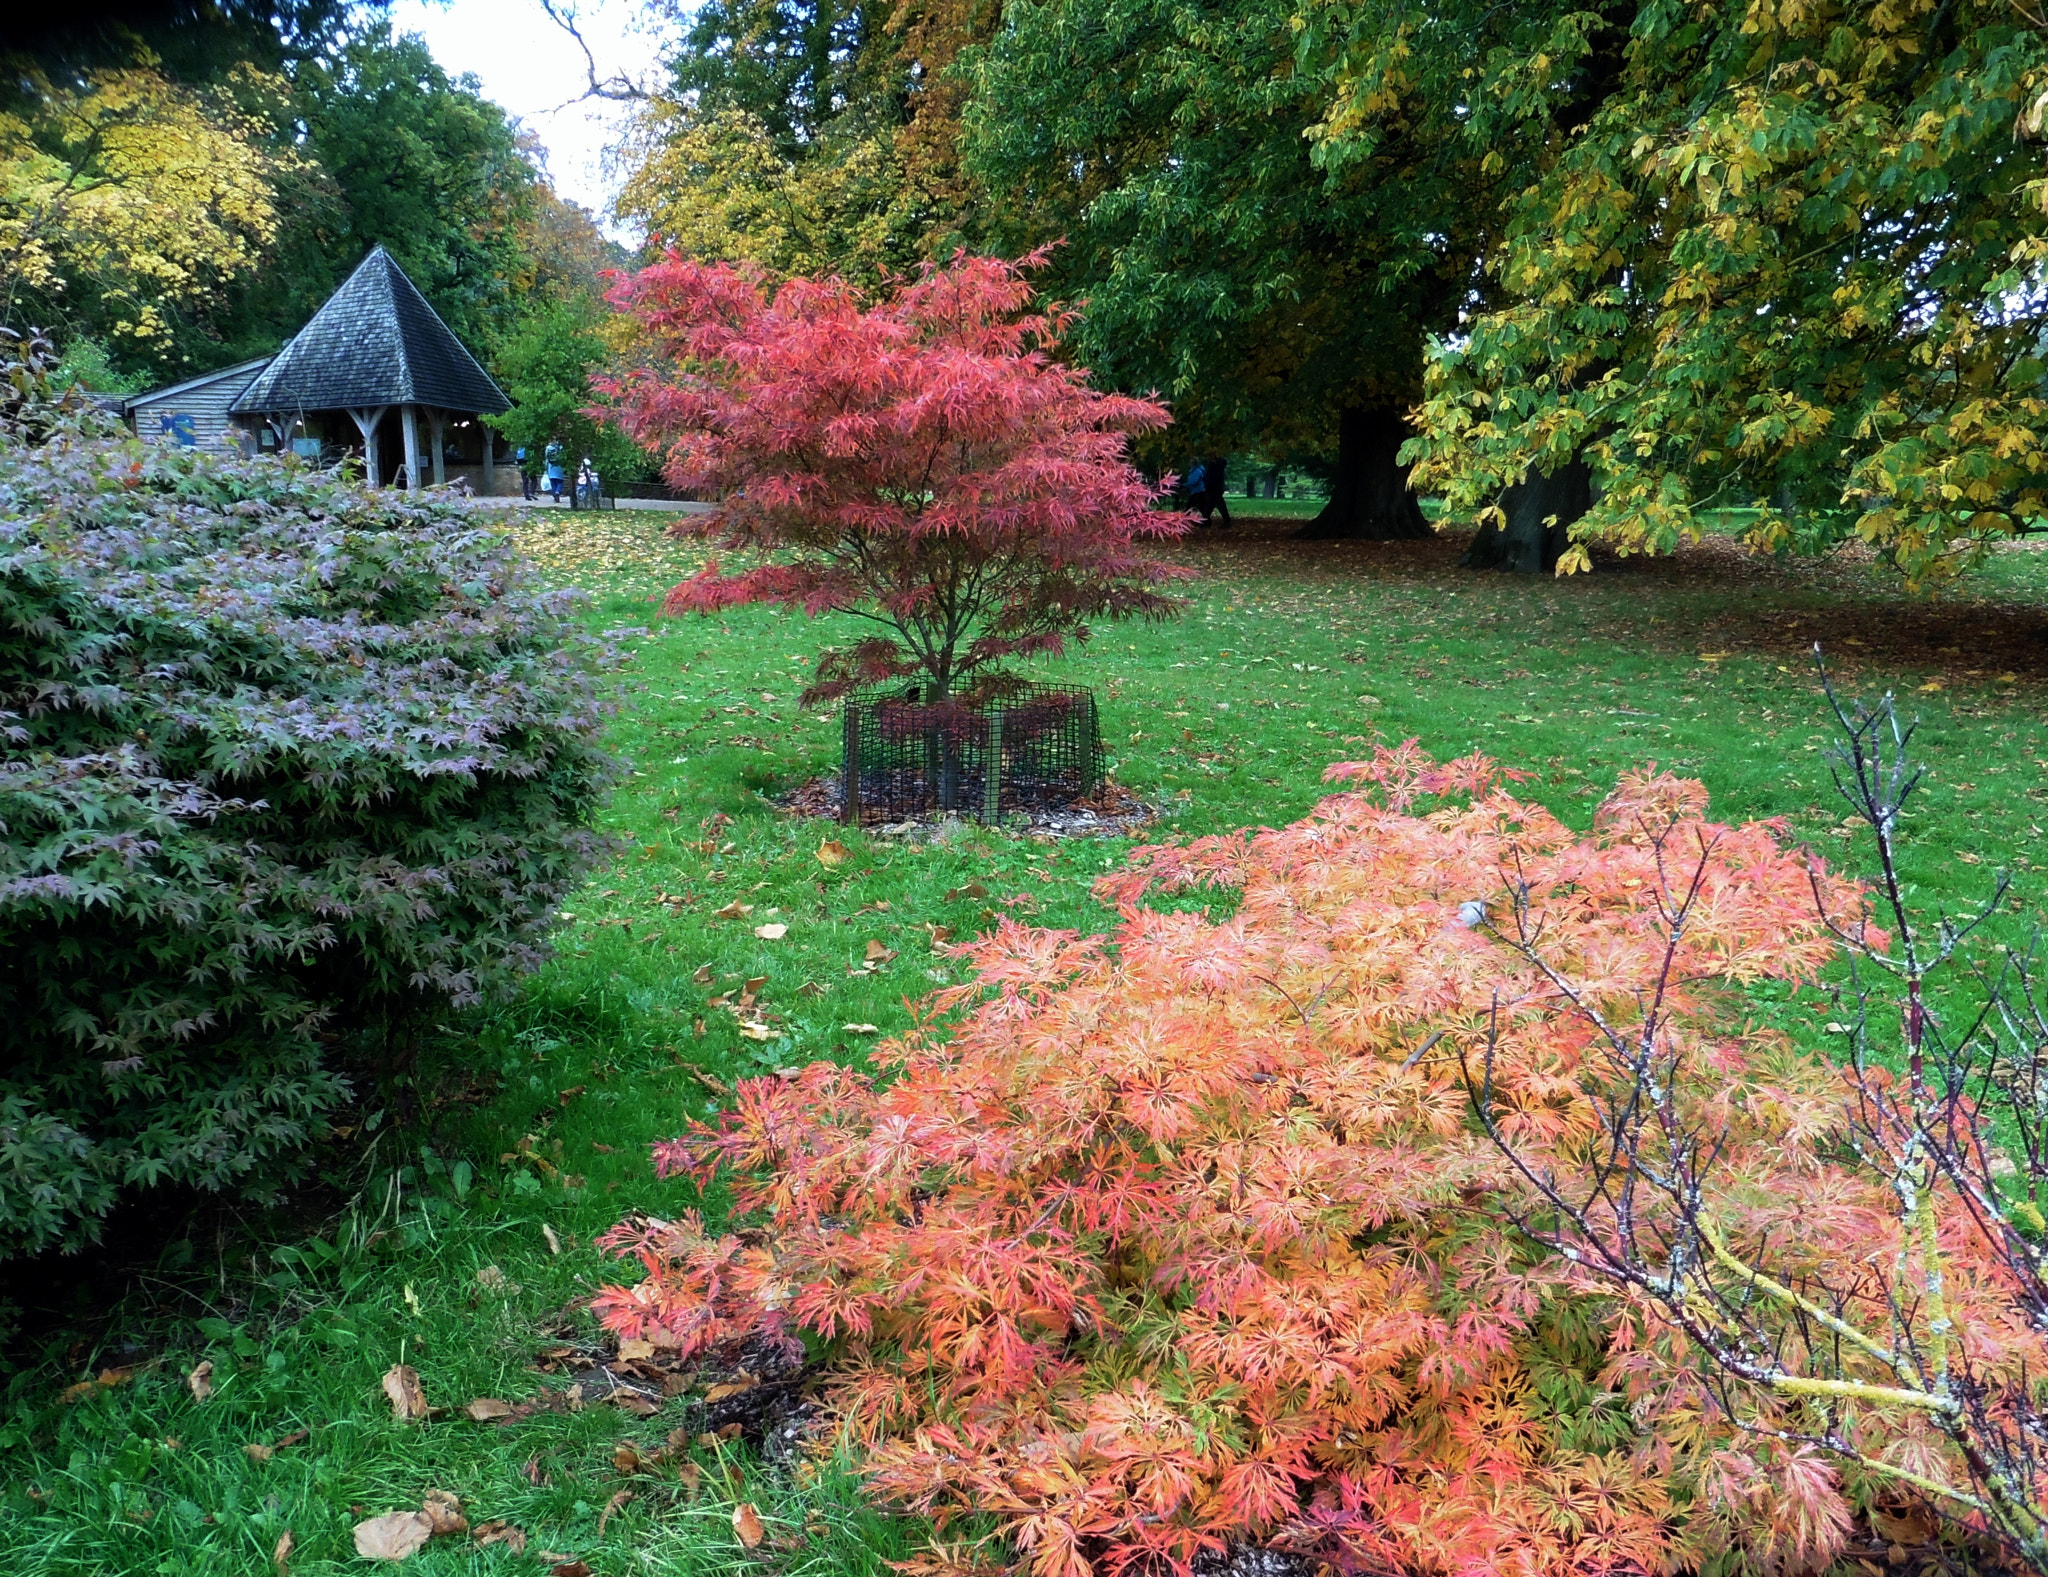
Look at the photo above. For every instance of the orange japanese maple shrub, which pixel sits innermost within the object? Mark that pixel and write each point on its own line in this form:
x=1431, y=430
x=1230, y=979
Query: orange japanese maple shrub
x=1187, y=1236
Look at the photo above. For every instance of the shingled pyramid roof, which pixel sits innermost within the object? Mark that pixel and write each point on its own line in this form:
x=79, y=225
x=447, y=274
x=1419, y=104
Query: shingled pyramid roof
x=375, y=342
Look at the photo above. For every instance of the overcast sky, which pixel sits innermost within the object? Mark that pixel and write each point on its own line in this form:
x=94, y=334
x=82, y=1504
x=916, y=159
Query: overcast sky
x=533, y=69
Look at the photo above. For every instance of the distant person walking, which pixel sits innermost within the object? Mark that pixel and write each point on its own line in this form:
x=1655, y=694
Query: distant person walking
x=529, y=479
x=1205, y=490
x=556, y=476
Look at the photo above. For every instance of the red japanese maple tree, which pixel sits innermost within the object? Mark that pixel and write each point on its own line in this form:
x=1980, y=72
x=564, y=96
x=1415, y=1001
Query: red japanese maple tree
x=924, y=461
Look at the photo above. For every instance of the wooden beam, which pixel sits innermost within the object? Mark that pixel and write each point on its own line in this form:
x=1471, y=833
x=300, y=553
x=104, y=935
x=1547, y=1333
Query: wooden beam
x=490, y=458
x=409, y=425
x=367, y=422
x=437, y=426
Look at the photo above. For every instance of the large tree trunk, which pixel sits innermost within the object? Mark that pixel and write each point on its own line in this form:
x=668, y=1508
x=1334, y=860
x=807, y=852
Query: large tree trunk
x=1539, y=510
x=1369, y=500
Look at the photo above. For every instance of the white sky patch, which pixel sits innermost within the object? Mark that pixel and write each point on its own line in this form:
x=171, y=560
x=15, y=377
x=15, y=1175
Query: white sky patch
x=531, y=68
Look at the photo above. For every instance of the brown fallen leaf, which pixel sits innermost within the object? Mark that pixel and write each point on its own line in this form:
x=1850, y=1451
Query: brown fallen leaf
x=114, y=1377
x=940, y=934
x=259, y=1453
x=601, y=1149
x=554, y=1242
x=443, y=1512
x=402, y=1385
x=719, y=1393
x=486, y=1408
x=72, y=1393
x=703, y=976
x=746, y=1525
x=633, y=1347
x=831, y=854
x=499, y=1531
x=612, y=1508
x=734, y=911
x=774, y=931
x=282, y=1552
x=877, y=953
x=971, y=890
x=492, y=1279
x=569, y=1568
x=393, y=1536
x=296, y=1437
x=689, y=1475
x=636, y=1404
x=626, y=1458
x=200, y=1381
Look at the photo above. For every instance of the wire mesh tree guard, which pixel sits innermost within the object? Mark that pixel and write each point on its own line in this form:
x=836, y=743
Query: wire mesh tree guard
x=1037, y=747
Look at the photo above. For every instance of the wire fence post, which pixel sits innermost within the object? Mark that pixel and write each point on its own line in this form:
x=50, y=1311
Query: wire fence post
x=849, y=788
x=992, y=771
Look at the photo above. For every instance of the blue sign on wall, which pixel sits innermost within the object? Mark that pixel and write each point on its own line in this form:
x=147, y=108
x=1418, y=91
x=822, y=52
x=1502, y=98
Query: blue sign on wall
x=177, y=425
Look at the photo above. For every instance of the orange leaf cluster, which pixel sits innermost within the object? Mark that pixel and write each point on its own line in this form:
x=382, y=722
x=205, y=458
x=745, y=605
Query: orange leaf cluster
x=1189, y=1236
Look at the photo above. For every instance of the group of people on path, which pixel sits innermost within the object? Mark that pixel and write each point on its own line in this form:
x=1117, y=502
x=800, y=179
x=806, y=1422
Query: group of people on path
x=549, y=475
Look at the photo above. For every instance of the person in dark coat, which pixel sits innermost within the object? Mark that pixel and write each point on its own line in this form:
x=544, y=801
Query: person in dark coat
x=1205, y=490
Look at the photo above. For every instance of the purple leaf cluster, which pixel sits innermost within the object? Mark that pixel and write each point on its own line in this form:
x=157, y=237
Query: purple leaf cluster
x=284, y=763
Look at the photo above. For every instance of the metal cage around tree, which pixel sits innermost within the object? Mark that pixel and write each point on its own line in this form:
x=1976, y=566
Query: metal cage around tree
x=1033, y=748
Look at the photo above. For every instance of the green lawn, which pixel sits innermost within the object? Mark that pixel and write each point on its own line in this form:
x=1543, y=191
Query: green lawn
x=536, y=1118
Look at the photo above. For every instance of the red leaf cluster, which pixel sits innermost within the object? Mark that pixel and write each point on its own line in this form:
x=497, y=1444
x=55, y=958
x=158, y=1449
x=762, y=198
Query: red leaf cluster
x=1189, y=1235
x=925, y=461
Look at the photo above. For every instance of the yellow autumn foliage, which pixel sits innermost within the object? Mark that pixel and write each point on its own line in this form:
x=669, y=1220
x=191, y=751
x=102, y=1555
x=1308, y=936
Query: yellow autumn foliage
x=155, y=194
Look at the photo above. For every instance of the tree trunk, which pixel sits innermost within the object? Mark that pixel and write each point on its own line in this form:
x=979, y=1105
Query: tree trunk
x=1539, y=510
x=1369, y=500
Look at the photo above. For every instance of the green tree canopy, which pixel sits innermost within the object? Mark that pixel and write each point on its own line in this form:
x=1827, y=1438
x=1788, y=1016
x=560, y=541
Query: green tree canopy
x=1789, y=259
x=1280, y=301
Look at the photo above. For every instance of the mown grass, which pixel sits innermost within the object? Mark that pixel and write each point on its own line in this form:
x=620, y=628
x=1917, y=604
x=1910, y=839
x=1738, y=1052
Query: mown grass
x=537, y=1117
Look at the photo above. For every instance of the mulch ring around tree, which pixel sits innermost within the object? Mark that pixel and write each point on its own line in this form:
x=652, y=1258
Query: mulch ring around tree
x=1113, y=811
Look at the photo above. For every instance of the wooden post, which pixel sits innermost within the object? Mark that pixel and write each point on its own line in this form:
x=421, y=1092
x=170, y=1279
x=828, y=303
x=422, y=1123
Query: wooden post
x=849, y=769
x=409, y=426
x=490, y=459
x=992, y=771
x=437, y=428
x=367, y=422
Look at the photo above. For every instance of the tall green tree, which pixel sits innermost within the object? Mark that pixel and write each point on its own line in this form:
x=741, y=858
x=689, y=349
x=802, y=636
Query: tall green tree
x=811, y=137
x=1281, y=301
x=546, y=368
x=1788, y=258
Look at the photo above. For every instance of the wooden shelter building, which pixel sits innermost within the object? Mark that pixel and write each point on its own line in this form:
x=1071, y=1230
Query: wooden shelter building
x=375, y=373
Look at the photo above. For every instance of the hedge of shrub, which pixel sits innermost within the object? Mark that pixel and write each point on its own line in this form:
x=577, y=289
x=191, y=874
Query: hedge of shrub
x=283, y=763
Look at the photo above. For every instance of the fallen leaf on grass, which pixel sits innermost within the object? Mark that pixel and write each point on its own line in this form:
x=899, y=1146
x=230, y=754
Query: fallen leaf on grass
x=612, y=1508
x=499, y=1531
x=746, y=1524
x=689, y=1475
x=1932, y=687
x=258, y=1452
x=756, y=1031
x=626, y=1458
x=733, y=911
x=200, y=1381
x=703, y=976
x=831, y=854
x=554, y=1242
x=393, y=1536
x=971, y=890
x=601, y=1149
x=862, y=1029
x=633, y=1347
x=443, y=1512
x=572, y=1567
x=772, y=932
x=283, y=1551
x=402, y=1385
x=486, y=1408
x=877, y=953
x=633, y=1402
x=940, y=934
